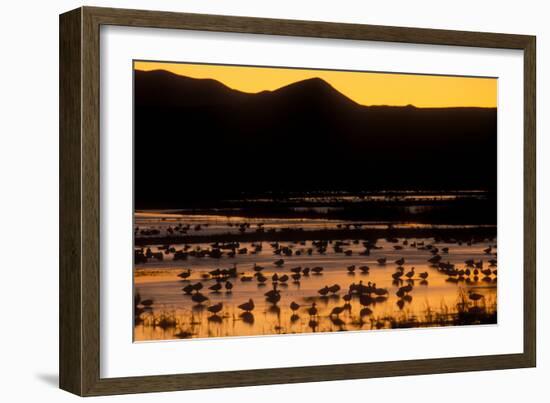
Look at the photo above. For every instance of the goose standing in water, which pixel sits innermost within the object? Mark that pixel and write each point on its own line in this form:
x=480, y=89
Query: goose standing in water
x=337, y=310
x=188, y=289
x=296, y=270
x=365, y=300
x=435, y=259
x=215, y=308
x=215, y=273
x=199, y=298
x=294, y=306
x=216, y=287
x=247, y=306
x=324, y=291
x=347, y=298
x=274, y=298
x=334, y=288
x=407, y=288
x=397, y=275
x=400, y=304
x=364, y=269
x=273, y=292
x=365, y=312
x=185, y=274
x=379, y=291
x=228, y=286
x=487, y=272
x=410, y=274
x=312, y=311
x=317, y=270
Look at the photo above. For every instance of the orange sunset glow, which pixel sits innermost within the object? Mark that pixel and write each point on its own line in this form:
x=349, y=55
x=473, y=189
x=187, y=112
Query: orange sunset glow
x=365, y=88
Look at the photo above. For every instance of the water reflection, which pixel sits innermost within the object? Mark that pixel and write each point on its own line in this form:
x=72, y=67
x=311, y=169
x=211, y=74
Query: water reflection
x=283, y=288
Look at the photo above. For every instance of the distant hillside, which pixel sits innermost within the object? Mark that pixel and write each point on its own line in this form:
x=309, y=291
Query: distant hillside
x=199, y=141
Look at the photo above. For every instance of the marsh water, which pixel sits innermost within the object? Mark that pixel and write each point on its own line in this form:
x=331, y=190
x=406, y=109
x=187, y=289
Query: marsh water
x=179, y=241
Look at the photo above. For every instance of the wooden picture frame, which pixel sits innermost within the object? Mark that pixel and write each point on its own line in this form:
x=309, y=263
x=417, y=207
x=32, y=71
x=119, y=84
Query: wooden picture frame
x=79, y=201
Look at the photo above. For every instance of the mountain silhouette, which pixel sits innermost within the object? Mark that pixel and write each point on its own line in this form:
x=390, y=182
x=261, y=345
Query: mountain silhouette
x=199, y=141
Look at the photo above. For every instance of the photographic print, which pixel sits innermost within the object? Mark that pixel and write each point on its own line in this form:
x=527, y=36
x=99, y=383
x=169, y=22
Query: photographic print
x=279, y=200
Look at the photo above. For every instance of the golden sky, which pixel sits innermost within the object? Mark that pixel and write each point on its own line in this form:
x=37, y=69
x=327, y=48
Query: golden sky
x=363, y=87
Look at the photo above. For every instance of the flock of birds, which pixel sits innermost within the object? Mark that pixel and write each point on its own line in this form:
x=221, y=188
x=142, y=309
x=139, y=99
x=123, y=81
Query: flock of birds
x=182, y=229
x=367, y=295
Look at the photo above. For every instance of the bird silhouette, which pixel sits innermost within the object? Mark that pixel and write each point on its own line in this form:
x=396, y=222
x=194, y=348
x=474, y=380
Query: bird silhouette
x=199, y=298
x=337, y=310
x=215, y=308
x=247, y=306
x=317, y=269
x=312, y=311
x=365, y=312
x=228, y=286
x=334, y=288
x=294, y=306
x=216, y=287
x=185, y=274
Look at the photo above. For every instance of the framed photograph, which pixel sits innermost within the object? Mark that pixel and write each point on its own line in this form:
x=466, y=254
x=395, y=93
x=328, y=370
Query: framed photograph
x=251, y=201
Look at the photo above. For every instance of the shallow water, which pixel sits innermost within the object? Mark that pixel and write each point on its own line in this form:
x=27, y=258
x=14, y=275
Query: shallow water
x=157, y=280
x=213, y=224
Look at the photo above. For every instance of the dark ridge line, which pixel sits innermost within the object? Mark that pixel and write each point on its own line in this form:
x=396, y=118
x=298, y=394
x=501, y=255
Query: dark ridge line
x=301, y=82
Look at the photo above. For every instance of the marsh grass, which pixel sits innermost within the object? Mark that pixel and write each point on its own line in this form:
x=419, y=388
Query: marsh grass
x=183, y=324
x=463, y=313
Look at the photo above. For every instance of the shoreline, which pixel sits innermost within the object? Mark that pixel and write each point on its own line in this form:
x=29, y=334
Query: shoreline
x=462, y=234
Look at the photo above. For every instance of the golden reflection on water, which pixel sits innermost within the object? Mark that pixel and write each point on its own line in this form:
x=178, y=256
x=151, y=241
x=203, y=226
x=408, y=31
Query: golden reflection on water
x=431, y=302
